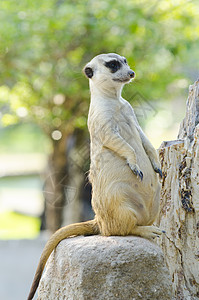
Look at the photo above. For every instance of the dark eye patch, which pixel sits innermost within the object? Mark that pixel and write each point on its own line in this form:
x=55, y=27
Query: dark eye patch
x=113, y=65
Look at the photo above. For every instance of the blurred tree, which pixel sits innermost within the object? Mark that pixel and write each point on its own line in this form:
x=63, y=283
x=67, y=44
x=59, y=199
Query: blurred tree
x=45, y=44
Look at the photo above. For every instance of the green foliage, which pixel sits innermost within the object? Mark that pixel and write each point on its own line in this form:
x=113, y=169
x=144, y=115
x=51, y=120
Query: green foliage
x=45, y=44
x=23, y=138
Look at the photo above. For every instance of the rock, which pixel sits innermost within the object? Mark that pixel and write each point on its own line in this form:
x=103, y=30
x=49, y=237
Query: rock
x=99, y=268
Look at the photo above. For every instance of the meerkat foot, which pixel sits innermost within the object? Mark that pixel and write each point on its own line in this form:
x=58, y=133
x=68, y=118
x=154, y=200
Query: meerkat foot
x=147, y=231
x=136, y=170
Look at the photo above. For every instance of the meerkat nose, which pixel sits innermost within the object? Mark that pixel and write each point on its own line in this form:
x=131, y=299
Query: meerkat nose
x=131, y=74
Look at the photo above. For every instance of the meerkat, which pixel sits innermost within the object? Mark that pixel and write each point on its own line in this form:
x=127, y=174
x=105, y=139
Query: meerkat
x=124, y=165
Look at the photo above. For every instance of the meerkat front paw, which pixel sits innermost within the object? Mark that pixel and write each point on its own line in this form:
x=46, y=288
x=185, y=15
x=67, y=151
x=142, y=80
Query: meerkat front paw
x=136, y=170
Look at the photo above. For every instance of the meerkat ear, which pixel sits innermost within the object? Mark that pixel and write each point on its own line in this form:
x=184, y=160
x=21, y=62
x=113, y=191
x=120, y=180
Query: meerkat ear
x=88, y=72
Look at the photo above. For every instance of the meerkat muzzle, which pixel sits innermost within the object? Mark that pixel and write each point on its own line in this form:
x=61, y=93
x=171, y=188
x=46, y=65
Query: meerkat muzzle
x=131, y=74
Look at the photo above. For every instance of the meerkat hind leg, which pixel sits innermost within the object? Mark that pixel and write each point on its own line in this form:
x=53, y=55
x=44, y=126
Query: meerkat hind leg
x=147, y=231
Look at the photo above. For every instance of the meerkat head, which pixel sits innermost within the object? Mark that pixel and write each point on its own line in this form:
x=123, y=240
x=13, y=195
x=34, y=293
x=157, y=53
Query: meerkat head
x=109, y=71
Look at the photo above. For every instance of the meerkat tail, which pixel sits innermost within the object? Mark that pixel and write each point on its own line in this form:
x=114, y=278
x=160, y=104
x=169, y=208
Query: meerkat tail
x=85, y=228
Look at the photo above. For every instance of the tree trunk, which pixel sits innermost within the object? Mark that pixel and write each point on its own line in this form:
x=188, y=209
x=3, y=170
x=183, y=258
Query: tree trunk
x=64, y=188
x=55, y=183
x=179, y=215
x=77, y=166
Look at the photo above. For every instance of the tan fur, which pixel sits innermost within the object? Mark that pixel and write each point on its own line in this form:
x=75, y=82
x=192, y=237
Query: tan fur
x=123, y=203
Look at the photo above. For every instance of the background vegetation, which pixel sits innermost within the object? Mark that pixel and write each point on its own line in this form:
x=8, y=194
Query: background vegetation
x=44, y=96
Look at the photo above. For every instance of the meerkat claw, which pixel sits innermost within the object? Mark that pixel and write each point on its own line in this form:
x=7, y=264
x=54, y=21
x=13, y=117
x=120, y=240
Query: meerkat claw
x=138, y=173
x=135, y=169
x=141, y=175
x=163, y=232
x=157, y=170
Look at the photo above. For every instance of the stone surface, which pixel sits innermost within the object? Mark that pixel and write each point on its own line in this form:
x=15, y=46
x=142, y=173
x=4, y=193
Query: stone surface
x=179, y=214
x=96, y=267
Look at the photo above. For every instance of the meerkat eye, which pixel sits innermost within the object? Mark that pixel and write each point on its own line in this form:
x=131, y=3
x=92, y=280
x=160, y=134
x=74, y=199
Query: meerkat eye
x=113, y=65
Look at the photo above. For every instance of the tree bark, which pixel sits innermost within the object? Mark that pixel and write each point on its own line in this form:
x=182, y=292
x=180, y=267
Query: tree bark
x=54, y=185
x=64, y=188
x=179, y=214
x=77, y=166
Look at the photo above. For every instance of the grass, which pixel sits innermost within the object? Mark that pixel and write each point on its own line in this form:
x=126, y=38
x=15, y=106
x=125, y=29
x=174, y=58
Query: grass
x=20, y=139
x=18, y=226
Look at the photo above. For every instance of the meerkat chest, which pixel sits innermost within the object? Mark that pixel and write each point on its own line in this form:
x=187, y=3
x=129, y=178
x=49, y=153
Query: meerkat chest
x=125, y=123
x=114, y=115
